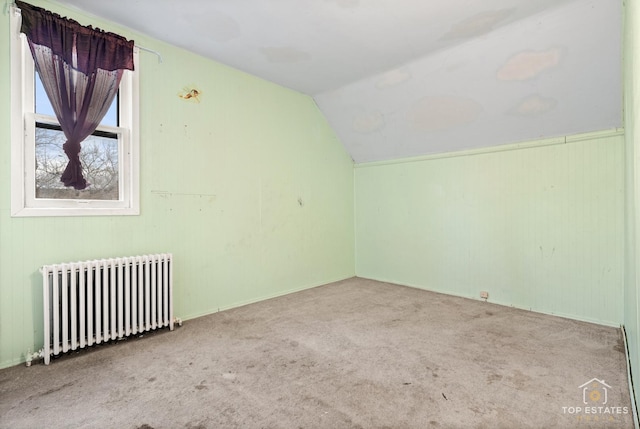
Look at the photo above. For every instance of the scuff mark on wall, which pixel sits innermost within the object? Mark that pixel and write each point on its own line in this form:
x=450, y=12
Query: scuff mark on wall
x=167, y=194
x=530, y=64
x=438, y=113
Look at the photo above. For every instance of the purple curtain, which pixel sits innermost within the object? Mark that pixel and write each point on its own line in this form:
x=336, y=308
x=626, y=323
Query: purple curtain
x=80, y=68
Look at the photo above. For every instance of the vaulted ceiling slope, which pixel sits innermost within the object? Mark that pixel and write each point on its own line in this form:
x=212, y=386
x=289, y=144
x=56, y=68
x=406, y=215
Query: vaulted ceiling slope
x=416, y=77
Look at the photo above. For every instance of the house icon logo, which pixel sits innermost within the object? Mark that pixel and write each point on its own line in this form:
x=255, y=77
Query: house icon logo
x=595, y=391
x=596, y=408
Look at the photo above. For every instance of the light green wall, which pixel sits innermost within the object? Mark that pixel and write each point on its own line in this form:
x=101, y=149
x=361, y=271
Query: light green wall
x=632, y=186
x=539, y=228
x=249, y=189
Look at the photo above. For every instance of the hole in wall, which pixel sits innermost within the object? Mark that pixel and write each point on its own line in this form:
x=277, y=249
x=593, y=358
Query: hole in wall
x=190, y=93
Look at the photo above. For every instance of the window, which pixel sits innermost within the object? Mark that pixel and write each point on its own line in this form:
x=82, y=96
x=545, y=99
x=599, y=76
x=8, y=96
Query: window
x=109, y=156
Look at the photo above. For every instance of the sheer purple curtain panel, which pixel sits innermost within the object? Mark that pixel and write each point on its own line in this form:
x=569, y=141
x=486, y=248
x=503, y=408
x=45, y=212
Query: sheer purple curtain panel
x=80, y=68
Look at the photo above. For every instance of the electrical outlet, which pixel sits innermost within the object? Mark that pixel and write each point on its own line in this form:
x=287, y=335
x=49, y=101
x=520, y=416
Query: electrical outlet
x=484, y=294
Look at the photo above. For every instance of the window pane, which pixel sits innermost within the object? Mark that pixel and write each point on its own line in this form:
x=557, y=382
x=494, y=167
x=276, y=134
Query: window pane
x=43, y=105
x=99, y=158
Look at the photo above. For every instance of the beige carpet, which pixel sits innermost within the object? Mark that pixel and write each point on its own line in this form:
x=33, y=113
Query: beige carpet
x=352, y=354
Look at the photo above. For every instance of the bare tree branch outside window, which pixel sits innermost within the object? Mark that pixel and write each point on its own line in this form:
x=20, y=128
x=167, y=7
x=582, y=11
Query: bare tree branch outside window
x=99, y=158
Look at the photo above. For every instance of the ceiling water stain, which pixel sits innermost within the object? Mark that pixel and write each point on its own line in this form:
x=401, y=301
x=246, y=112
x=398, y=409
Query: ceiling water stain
x=284, y=55
x=345, y=4
x=530, y=64
x=368, y=122
x=213, y=25
x=393, y=78
x=439, y=113
x=477, y=25
x=534, y=105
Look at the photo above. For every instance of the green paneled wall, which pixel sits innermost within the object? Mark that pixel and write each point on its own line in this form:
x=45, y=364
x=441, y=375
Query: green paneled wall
x=540, y=228
x=249, y=189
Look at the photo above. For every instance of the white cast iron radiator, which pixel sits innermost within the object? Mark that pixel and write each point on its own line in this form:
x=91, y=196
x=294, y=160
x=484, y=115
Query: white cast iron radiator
x=92, y=302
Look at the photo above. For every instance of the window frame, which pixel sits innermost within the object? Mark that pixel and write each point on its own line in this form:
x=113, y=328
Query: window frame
x=23, y=118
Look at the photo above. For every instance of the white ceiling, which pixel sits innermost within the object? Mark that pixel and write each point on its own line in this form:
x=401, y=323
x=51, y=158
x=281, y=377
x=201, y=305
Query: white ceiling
x=412, y=77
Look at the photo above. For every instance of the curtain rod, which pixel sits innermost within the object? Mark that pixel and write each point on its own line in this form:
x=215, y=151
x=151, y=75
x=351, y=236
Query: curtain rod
x=151, y=51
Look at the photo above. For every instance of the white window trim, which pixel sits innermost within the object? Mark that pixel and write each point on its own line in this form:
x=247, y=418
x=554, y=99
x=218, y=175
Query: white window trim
x=23, y=201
